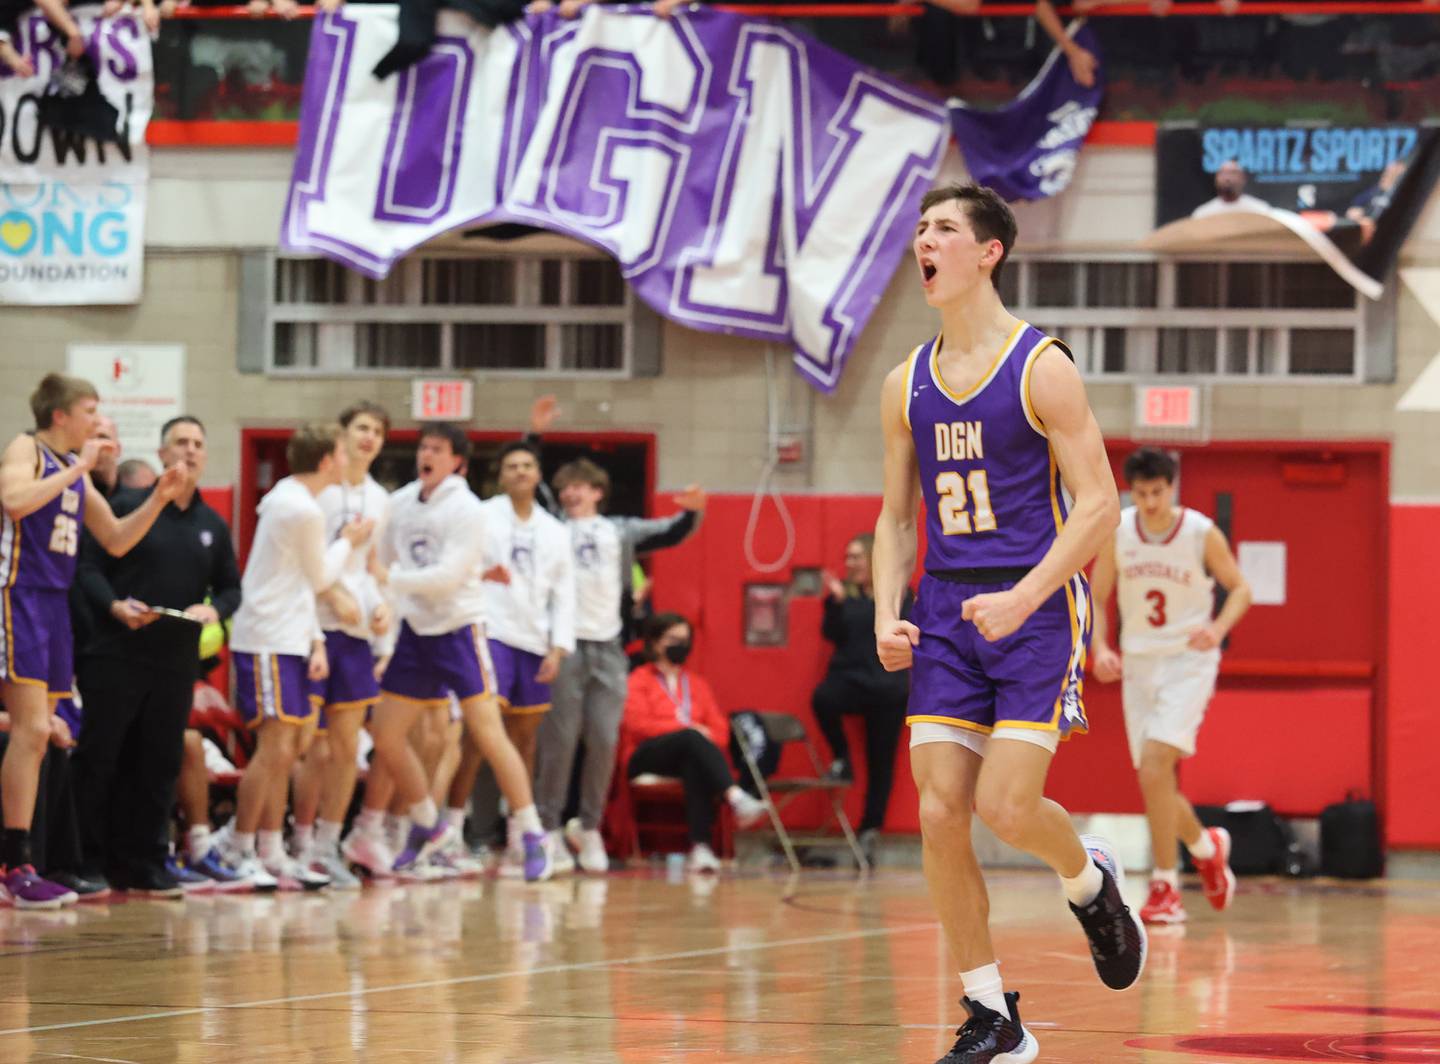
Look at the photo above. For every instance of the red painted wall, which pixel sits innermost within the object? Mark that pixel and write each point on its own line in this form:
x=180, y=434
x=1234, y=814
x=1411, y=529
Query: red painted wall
x=1292, y=722
x=1413, y=811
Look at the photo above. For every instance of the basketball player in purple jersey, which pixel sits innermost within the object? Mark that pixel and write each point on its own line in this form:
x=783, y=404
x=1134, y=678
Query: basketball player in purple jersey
x=46, y=494
x=991, y=419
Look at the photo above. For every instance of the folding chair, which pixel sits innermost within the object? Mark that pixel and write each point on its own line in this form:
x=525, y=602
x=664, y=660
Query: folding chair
x=779, y=791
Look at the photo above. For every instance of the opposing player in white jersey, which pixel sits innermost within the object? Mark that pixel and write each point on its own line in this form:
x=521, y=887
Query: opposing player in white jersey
x=278, y=648
x=1165, y=561
x=353, y=612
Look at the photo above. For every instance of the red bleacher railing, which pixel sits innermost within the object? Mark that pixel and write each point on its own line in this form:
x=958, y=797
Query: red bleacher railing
x=1132, y=10
x=204, y=133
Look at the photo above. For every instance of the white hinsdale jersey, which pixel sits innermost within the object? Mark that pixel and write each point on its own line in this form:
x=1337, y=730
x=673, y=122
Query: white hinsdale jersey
x=597, y=577
x=342, y=504
x=1162, y=586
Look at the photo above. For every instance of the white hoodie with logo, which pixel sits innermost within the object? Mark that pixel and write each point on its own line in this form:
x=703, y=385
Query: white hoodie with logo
x=535, y=611
x=434, y=550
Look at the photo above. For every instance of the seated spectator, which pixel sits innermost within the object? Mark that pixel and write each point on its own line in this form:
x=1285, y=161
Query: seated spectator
x=674, y=727
x=856, y=683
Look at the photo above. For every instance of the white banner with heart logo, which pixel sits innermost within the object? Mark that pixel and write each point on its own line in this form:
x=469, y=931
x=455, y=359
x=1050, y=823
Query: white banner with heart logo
x=72, y=209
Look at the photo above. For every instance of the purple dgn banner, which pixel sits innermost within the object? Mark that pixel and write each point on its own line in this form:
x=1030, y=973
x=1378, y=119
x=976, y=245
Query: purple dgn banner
x=747, y=179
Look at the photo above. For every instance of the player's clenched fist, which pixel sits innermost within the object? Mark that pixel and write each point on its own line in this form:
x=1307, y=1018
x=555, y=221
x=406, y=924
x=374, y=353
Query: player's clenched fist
x=996, y=614
x=895, y=644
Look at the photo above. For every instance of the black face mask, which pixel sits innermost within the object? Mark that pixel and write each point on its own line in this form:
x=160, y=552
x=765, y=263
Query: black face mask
x=676, y=653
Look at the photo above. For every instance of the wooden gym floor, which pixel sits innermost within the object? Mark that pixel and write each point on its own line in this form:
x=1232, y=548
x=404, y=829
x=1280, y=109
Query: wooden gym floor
x=638, y=967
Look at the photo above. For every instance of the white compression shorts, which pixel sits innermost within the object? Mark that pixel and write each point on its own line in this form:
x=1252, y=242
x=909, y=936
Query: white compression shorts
x=922, y=732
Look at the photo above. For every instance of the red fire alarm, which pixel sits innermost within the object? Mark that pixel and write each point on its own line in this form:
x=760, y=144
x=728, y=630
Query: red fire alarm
x=789, y=450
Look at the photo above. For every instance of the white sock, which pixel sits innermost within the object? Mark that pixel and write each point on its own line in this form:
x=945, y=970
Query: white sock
x=198, y=841
x=423, y=814
x=1085, y=887
x=370, y=822
x=303, y=837
x=1166, y=875
x=456, y=817
x=984, y=985
x=1203, y=848
x=244, y=843
x=271, y=846
x=327, y=834
x=394, y=825
x=527, y=820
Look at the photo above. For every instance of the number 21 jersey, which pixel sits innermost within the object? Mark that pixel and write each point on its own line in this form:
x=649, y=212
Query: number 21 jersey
x=991, y=486
x=1162, y=586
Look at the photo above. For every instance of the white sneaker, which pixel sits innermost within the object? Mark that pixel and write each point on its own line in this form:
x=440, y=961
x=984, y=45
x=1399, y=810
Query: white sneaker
x=749, y=810
x=333, y=865
x=512, y=862
x=249, y=868
x=370, y=853
x=702, y=859
x=562, y=862
x=592, y=857
x=291, y=875
x=455, y=858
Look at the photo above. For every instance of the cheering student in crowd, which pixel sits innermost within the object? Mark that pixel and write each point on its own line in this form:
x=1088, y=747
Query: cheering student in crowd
x=589, y=693
x=137, y=674
x=530, y=619
x=353, y=611
x=46, y=496
x=277, y=649
x=856, y=683
x=434, y=551
x=674, y=727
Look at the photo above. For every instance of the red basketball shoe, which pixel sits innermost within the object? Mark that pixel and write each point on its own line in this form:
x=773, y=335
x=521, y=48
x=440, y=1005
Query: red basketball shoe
x=1164, y=905
x=1215, y=873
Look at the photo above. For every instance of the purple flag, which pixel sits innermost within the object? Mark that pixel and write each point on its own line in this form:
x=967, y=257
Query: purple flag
x=747, y=179
x=1027, y=149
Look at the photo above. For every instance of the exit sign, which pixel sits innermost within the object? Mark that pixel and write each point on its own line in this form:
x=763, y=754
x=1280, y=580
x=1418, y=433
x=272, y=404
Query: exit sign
x=441, y=400
x=1166, y=407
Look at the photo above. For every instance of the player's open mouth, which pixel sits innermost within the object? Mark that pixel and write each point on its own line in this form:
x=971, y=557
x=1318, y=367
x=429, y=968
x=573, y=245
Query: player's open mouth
x=927, y=271
x=426, y=469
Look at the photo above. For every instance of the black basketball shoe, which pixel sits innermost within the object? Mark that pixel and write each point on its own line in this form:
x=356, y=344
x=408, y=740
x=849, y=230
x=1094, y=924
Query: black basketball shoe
x=990, y=1038
x=1117, y=937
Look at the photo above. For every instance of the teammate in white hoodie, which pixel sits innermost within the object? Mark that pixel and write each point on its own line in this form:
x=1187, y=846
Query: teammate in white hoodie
x=434, y=551
x=353, y=612
x=277, y=646
x=531, y=618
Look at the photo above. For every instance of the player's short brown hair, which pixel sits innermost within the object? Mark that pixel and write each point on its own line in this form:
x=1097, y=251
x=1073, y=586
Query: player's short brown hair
x=583, y=471
x=990, y=217
x=58, y=392
x=1150, y=463
x=310, y=444
x=365, y=406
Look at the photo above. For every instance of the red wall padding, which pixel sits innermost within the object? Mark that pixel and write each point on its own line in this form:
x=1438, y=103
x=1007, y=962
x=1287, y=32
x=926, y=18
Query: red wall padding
x=1299, y=743
x=1413, y=809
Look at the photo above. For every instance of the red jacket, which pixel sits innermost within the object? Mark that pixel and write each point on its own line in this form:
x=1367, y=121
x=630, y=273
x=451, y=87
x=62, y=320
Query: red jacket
x=650, y=711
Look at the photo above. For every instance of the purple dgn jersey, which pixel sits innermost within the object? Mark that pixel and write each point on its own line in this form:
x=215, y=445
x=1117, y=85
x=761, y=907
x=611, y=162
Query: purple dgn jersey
x=39, y=550
x=991, y=486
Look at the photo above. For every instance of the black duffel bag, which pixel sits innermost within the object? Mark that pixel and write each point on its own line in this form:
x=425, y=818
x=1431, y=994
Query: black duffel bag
x=1350, y=840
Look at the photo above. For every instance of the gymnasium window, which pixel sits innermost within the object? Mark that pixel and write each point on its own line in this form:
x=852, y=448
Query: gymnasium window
x=1133, y=317
x=527, y=315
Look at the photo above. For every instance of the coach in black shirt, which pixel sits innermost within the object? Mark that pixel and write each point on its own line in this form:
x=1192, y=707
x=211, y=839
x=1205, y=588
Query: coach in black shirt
x=137, y=674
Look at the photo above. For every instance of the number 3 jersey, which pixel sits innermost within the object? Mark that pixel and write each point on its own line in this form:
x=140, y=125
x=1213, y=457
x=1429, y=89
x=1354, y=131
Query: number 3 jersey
x=992, y=490
x=1162, y=586
x=38, y=551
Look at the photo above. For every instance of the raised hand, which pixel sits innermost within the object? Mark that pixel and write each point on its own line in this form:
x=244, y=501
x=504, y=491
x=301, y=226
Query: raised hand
x=93, y=449
x=172, y=482
x=544, y=410
x=692, y=498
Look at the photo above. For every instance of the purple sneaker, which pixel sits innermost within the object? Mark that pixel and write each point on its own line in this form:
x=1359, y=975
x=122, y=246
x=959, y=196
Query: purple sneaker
x=421, y=843
x=25, y=889
x=538, y=866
